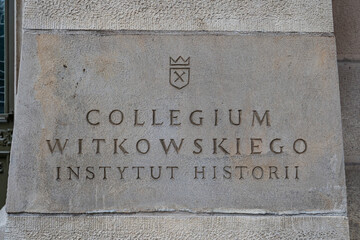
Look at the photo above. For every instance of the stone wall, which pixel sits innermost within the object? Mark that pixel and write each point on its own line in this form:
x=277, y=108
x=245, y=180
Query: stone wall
x=347, y=32
x=286, y=18
x=187, y=15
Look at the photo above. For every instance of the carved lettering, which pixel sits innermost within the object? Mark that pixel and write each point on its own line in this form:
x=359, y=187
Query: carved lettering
x=241, y=171
x=297, y=147
x=172, y=143
x=196, y=117
x=219, y=146
x=199, y=122
x=120, y=146
x=88, y=116
x=197, y=144
x=147, y=146
x=239, y=118
x=216, y=117
x=238, y=146
x=111, y=118
x=258, y=172
x=57, y=144
x=90, y=170
x=235, y=143
x=156, y=172
x=152, y=174
x=98, y=144
x=254, y=145
x=72, y=172
x=58, y=173
x=121, y=171
x=172, y=171
x=273, y=170
x=154, y=123
x=214, y=168
x=199, y=172
x=138, y=171
x=104, y=176
x=261, y=120
x=272, y=146
x=227, y=172
x=80, y=146
x=136, y=122
x=173, y=118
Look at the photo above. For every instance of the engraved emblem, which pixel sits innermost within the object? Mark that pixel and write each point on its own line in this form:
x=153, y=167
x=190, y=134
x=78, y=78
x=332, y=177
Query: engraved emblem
x=179, y=72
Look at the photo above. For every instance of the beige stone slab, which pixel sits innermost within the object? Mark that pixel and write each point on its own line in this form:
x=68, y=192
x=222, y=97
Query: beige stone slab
x=349, y=74
x=65, y=76
x=353, y=196
x=176, y=227
x=347, y=28
x=188, y=15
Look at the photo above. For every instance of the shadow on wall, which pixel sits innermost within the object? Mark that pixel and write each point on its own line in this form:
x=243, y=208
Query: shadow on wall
x=347, y=32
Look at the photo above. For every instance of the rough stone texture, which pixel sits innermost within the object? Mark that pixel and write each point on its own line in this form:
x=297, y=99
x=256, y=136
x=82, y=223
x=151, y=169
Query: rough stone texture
x=353, y=191
x=347, y=28
x=347, y=31
x=349, y=75
x=177, y=227
x=3, y=218
x=63, y=76
x=188, y=15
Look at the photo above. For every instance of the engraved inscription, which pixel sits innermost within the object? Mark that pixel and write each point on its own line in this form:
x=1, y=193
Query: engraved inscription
x=238, y=172
x=171, y=117
x=239, y=146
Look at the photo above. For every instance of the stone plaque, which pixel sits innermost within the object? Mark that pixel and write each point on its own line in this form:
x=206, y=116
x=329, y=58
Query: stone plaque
x=215, y=123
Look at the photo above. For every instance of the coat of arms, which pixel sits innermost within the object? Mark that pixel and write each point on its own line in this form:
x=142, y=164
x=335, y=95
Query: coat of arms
x=179, y=72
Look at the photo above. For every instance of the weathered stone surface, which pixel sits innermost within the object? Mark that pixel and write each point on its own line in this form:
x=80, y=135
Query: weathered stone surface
x=65, y=76
x=349, y=75
x=353, y=196
x=347, y=28
x=177, y=227
x=209, y=15
x=3, y=218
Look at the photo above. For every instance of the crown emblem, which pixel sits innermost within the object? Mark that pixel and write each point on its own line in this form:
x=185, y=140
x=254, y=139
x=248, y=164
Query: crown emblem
x=179, y=72
x=180, y=61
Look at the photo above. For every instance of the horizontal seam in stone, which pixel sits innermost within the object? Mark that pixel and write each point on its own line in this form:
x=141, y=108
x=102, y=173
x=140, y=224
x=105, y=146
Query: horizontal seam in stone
x=178, y=213
x=174, y=32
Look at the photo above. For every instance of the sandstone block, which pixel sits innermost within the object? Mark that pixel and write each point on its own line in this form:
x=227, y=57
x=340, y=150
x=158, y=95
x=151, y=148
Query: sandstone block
x=347, y=28
x=199, y=123
x=353, y=196
x=349, y=76
x=177, y=227
x=172, y=15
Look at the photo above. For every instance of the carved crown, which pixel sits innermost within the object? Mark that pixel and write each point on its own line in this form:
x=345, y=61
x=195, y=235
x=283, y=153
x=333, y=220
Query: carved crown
x=180, y=61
